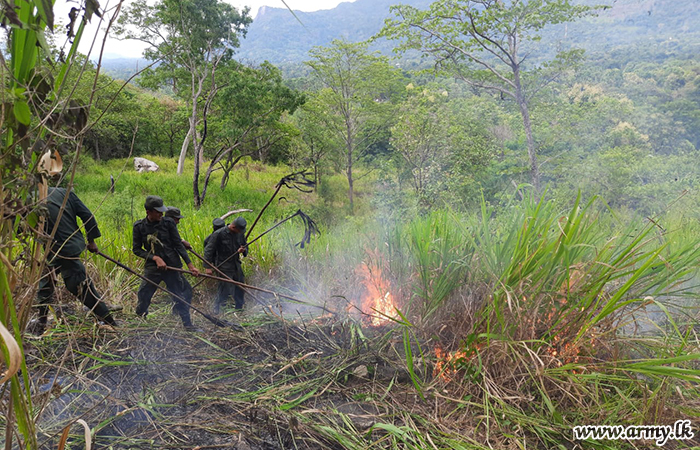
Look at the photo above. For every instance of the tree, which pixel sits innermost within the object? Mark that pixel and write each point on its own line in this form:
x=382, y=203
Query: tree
x=315, y=141
x=440, y=142
x=249, y=105
x=191, y=38
x=486, y=43
x=420, y=134
x=357, y=88
x=125, y=118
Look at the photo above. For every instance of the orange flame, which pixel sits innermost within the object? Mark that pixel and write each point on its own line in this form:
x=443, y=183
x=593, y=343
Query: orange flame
x=377, y=303
x=446, y=362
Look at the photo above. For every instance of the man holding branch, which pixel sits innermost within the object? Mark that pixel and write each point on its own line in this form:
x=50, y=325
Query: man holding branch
x=157, y=240
x=223, y=251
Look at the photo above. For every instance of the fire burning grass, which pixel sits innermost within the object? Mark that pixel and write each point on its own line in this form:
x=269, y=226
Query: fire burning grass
x=377, y=303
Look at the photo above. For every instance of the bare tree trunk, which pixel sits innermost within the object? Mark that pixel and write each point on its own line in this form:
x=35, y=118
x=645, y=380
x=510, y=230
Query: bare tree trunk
x=183, y=151
x=198, y=164
x=531, y=151
x=198, y=200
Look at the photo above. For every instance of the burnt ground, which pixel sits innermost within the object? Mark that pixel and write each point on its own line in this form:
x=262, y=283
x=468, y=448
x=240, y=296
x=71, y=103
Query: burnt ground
x=151, y=384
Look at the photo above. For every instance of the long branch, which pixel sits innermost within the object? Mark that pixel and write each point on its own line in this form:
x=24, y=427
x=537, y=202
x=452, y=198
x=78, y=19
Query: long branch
x=467, y=54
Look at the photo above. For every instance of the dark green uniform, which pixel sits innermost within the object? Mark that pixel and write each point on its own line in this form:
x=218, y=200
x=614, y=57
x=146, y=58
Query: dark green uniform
x=175, y=214
x=221, y=251
x=217, y=224
x=64, y=254
x=162, y=239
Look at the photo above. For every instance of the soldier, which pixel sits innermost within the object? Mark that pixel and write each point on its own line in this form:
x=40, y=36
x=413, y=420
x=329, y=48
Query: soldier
x=175, y=214
x=217, y=224
x=157, y=240
x=223, y=250
x=64, y=254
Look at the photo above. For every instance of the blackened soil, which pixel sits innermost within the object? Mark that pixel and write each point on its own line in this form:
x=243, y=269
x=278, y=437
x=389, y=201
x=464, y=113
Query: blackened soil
x=151, y=384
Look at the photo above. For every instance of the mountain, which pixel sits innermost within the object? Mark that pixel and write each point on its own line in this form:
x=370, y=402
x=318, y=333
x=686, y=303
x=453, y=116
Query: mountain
x=277, y=36
x=629, y=28
x=121, y=68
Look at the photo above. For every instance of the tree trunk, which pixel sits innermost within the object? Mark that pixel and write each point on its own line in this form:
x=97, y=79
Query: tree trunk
x=183, y=151
x=171, y=142
x=198, y=163
x=531, y=152
x=350, y=183
x=195, y=180
x=525, y=113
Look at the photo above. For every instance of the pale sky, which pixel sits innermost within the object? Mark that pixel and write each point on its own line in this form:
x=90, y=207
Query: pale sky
x=115, y=48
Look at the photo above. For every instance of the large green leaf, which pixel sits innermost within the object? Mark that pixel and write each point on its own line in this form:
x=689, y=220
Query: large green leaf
x=22, y=112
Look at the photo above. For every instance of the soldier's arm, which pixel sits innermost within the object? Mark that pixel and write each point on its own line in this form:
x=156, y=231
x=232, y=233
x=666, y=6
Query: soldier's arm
x=89, y=222
x=177, y=242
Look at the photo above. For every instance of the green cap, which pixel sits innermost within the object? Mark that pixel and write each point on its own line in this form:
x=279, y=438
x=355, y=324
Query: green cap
x=240, y=223
x=156, y=203
x=218, y=223
x=174, y=213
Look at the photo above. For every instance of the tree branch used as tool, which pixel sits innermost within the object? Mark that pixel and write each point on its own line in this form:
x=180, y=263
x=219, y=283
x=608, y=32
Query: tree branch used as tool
x=247, y=286
x=297, y=180
x=309, y=229
x=215, y=320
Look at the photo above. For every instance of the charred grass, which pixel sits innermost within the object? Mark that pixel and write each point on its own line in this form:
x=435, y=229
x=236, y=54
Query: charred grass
x=154, y=385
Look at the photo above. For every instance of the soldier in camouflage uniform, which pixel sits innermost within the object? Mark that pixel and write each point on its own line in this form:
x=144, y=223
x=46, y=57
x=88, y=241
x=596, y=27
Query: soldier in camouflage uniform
x=223, y=250
x=157, y=240
x=64, y=254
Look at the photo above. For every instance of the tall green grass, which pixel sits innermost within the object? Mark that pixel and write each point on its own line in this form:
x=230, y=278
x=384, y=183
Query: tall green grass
x=522, y=322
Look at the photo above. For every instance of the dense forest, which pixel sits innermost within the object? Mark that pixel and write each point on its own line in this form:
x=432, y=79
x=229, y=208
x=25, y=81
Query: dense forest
x=475, y=224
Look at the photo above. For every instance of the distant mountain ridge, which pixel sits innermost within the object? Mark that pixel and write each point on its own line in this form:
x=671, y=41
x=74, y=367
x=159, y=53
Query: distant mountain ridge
x=277, y=36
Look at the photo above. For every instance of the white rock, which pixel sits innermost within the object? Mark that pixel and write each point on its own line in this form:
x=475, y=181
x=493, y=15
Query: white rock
x=145, y=165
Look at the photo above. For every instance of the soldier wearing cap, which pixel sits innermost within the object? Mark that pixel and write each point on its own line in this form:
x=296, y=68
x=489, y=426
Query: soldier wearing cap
x=175, y=214
x=157, y=240
x=216, y=224
x=223, y=250
x=64, y=254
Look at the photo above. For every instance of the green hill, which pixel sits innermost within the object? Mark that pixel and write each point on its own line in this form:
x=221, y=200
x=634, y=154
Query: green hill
x=277, y=36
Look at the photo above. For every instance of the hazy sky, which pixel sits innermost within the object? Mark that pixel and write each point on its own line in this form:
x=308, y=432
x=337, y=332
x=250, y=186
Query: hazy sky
x=115, y=48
